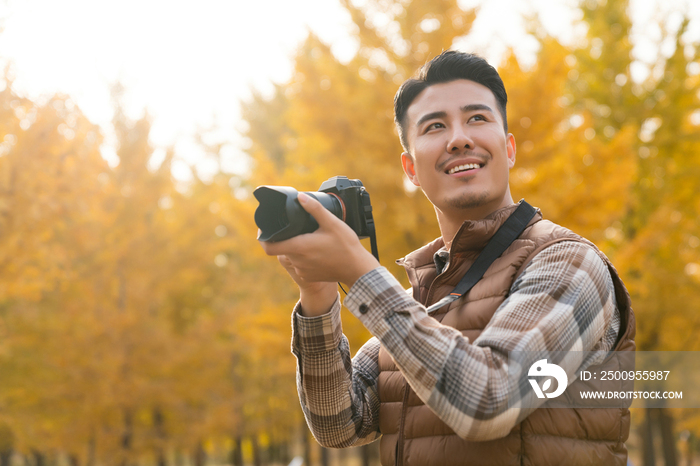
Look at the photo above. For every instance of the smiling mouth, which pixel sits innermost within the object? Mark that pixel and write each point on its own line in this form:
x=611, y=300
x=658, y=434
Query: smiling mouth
x=464, y=168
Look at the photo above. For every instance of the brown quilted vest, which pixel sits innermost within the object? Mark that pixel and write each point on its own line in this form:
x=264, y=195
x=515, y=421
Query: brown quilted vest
x=413, y=435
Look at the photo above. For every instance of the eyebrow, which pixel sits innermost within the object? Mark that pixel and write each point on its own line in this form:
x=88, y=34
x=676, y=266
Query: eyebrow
x=430, y=116
x=474, y=107
x=465, y=109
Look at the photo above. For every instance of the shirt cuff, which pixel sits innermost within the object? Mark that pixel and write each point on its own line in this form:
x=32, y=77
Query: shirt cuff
x=375, y=296
x=318, y=333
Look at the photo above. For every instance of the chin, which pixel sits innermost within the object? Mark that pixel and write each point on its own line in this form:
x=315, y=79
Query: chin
x=470, y=201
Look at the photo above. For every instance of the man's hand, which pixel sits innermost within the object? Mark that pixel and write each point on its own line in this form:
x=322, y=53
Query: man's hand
x=317, y=260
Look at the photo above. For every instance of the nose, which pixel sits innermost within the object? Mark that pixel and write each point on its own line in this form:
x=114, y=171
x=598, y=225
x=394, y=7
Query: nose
x=459, y=140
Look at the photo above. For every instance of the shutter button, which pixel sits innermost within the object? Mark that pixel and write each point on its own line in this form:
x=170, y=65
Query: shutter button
x=364, y=308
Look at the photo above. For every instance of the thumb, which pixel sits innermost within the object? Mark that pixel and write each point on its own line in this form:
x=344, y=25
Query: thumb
x=316, y=209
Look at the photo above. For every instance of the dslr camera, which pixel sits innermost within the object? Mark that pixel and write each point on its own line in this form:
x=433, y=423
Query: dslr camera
x=280, y=216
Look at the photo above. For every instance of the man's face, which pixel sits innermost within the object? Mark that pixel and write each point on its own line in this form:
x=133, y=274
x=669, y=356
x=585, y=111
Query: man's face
x=460, y=155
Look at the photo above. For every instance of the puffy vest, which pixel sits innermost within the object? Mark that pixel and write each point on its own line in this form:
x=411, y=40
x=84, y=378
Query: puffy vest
x=413, y=435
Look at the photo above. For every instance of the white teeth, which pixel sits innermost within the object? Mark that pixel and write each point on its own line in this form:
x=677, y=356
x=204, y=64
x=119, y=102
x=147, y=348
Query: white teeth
x=469, y=166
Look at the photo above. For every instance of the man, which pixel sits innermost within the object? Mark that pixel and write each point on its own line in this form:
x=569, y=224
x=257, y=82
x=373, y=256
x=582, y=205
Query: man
x=436, y=386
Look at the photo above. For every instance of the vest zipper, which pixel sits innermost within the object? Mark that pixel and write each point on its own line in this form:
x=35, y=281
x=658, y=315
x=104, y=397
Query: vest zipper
x=445, y=275
x=404, y=410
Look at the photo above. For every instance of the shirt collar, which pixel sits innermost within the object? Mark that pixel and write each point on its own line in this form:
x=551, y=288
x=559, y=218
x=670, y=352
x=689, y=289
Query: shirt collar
x=441, y=259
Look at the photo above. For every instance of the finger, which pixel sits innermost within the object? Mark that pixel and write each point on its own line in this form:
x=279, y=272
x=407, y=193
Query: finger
x=322, y=216
x=288, y=246
x=275, y=249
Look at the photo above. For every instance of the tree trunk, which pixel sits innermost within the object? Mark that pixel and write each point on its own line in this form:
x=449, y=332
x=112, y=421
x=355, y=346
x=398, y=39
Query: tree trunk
x=127, y=436
x=39, y=458
x=306, y=443
x=236, y=456
x=285, y=457
x=159, y=426
x=668, y=439
x=647, y=435
x=272, y=452
x=200, y=456
x=366, y=454
x=689, y=448
x=277, y=452
x=257, y=460
x=7, y=441
x=161, y=460
x=325, y=460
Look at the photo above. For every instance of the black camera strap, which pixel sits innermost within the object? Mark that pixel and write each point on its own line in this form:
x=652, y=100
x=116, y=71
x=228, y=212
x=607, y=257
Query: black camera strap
x=373, y=239
x=371, y=230
x=504, y=237
x=369, y=221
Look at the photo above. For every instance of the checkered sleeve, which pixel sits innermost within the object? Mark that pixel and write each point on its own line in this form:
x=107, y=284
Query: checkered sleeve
x=564, y=300
x=338, y=395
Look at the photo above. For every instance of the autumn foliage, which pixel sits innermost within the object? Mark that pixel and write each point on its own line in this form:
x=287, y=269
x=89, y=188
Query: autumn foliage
x=141, y=322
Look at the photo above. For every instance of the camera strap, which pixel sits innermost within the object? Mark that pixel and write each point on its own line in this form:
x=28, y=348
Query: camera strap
x=504, y=237
x=371, y=230
x=369, y=221
x=373, y=239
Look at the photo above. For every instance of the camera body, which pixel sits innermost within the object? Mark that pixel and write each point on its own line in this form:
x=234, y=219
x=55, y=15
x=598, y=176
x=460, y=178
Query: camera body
x=280, y=215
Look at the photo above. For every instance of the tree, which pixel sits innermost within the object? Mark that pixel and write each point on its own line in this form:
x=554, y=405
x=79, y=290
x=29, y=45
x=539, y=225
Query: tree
x=333, y=117
x=624, y=157
x=611, y=158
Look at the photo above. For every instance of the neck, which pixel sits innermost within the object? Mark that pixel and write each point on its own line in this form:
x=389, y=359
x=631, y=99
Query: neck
x=450, y=222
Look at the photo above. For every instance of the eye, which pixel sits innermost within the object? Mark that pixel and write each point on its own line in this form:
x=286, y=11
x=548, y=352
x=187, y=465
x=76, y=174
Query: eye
x=478, y=118
x=432, y=126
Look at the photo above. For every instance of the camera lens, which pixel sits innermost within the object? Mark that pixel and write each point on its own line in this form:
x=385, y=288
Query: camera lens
x=280, y=216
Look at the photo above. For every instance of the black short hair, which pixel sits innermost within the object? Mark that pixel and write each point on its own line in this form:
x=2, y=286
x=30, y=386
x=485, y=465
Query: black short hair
x=446, y=67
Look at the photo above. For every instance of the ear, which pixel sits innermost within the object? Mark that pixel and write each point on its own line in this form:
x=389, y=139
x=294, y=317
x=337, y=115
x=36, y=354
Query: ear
x=510, y=150
x=409, y=168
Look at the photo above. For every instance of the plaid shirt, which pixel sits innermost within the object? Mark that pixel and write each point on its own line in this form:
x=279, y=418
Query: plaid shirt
x=564, y=300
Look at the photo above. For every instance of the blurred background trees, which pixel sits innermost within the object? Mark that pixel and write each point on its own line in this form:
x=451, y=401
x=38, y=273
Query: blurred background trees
x=141, y=323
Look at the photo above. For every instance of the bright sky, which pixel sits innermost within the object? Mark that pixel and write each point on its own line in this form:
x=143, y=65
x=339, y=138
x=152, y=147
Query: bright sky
x=189, y=64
